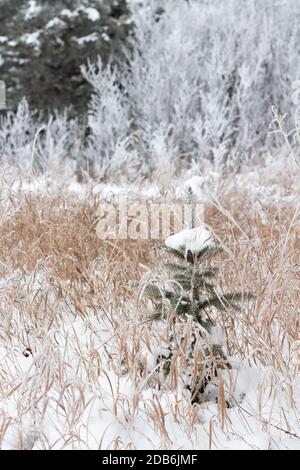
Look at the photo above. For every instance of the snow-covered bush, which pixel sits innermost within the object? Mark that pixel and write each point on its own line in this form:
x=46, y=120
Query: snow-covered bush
x=108, y=117
x=196, y=80
x=56, y=141
x=31, y=144
x=212, y=70
x=16, y=136
x=203, y=76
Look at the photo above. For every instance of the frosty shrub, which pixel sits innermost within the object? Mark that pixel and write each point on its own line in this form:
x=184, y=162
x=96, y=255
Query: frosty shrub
x=108, y=117
x=17, y=132
x=30, y=144
x=199, y=81
x=56, y=141
x=195, y=81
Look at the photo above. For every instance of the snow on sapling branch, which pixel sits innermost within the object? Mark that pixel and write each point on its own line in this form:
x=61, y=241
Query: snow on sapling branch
x=191, y=296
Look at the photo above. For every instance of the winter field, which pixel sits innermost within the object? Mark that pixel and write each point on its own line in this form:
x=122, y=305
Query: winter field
x=198, y=107
x=74, y=333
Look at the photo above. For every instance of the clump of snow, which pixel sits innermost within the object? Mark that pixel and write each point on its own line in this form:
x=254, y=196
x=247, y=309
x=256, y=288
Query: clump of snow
x=105, y=37
x=32, y=39
x=83, y=40
x=55, y=23
x=68, y=13
x=92, y=13
x=33, y=10
x=193, y=240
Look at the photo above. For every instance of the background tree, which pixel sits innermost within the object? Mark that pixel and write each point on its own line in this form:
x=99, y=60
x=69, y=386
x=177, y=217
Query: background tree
x=44, y=43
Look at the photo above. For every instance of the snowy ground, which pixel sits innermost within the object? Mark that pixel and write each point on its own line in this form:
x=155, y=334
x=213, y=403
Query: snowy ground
x=73, y=334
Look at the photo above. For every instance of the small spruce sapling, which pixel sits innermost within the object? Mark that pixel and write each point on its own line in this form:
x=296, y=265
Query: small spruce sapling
x=192, y=295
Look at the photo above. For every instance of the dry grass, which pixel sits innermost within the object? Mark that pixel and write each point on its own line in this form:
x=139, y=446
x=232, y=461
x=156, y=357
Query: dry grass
x=75, y=339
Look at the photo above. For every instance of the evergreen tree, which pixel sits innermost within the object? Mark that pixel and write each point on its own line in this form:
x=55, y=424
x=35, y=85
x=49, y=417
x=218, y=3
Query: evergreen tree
x=43, y=43
x=192, y=294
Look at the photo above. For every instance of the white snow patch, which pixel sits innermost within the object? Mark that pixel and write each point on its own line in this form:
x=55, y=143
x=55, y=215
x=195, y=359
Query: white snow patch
x=68, y=13
x=33, y=10
x=193, y=240
x=111, y=190
x=217, y=335
x=85, y=39
x=55, y=23
x=92, y=13
x=32, y=39
x=105, y=37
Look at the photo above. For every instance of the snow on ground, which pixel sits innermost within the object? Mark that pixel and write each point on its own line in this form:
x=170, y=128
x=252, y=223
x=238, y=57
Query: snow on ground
x=66, y=387
x=68, y=393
